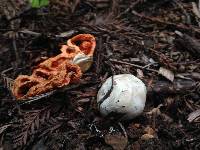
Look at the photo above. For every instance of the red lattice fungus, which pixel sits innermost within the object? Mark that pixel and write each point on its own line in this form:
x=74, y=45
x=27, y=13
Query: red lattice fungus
x=57, y=71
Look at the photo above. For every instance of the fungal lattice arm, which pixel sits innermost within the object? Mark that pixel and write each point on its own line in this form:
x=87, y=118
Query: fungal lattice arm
x=61, y=70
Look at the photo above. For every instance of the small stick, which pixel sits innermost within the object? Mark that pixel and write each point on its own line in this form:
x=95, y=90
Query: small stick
x=17, y=53
x=107, y=94
x=174, y=25
x=123, y=129
x=61, y=35
x=134, y=65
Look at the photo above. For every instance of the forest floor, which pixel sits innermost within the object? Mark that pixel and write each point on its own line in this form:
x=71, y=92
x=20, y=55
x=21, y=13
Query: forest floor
x=155, y=40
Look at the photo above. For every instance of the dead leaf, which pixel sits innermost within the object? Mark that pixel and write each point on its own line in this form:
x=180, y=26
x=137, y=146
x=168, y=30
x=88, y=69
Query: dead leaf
x=195, y=9
x=149, y=133
x=146, y=137
x=149, y=130
x=3, y=128
x=140, y=74
x=166, y=73
x=166, y=118
x=117, y=141
x=194, y=116
x=155, y=111
x=136, y=146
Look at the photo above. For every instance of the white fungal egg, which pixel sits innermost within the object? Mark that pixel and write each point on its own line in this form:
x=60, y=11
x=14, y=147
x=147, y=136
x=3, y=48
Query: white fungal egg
x=124, y=94
x=83, y=61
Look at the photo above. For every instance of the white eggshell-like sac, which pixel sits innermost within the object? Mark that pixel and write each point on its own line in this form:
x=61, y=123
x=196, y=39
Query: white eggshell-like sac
x=127, y=97
x=83, y=61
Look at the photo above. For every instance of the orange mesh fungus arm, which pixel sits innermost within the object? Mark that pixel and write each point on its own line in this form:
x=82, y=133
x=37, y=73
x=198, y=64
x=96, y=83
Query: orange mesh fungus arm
x=57, y=71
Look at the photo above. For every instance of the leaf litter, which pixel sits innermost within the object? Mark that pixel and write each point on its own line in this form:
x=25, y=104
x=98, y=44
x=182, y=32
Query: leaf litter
x=137, y=37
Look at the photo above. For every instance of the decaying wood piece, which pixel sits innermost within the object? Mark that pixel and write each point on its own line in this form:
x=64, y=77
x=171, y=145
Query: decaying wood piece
x=194, y=116
x=178, y=86
x=188, y=43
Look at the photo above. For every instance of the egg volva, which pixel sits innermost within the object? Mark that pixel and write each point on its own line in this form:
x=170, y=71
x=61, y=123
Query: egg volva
x=83, y=61
x=127, y=96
